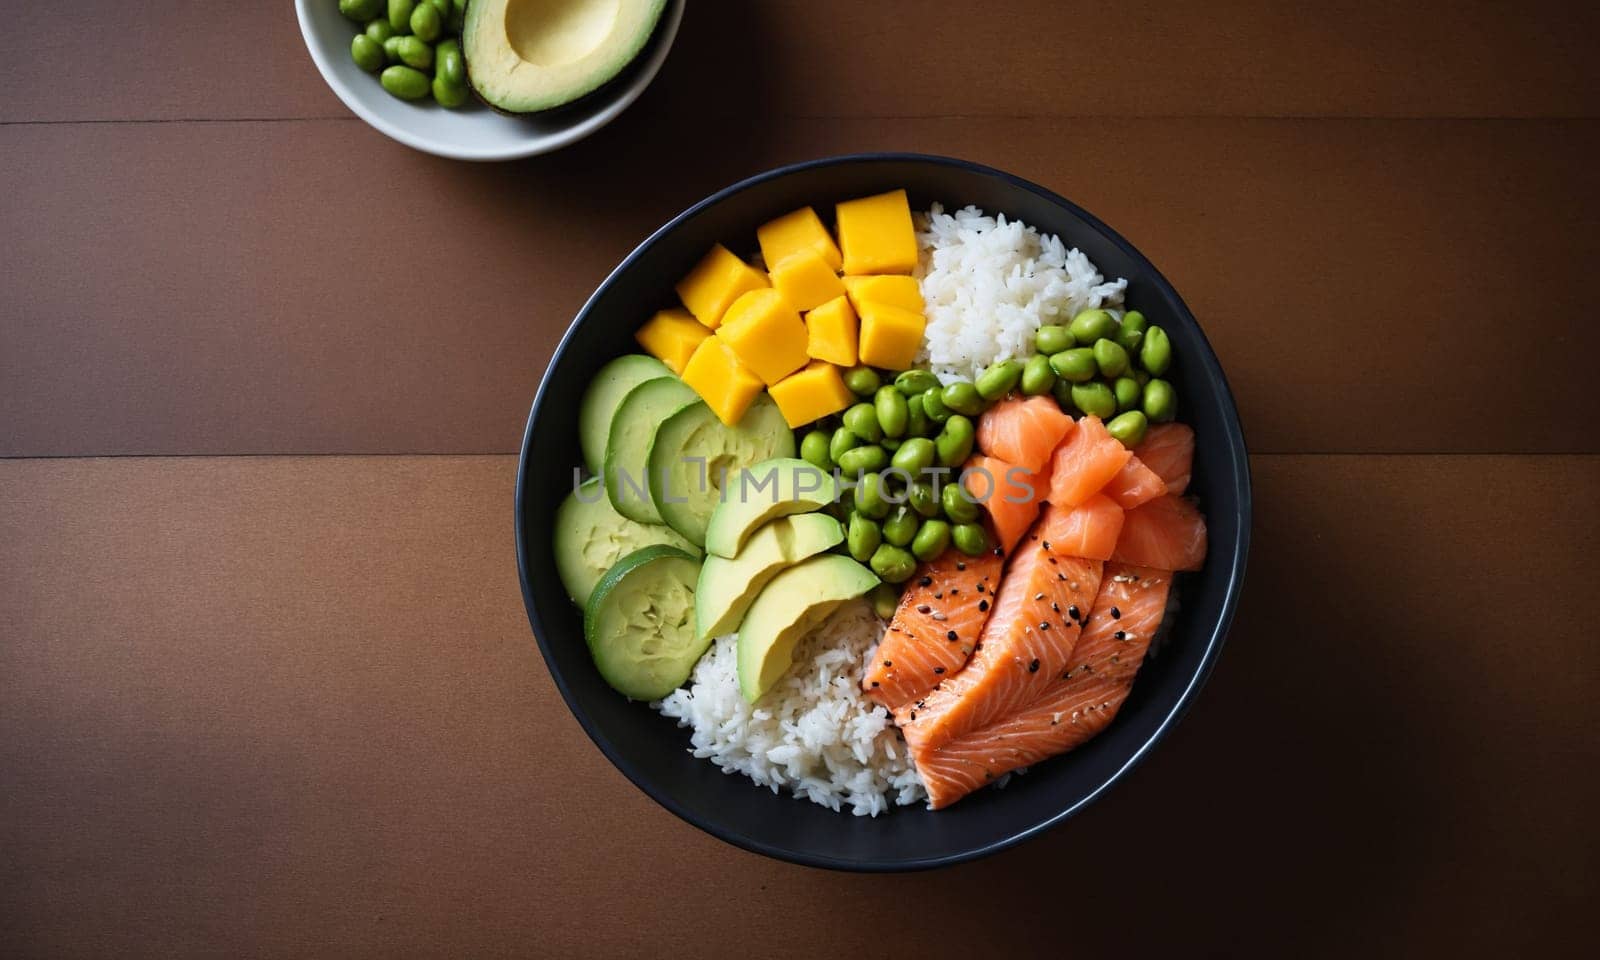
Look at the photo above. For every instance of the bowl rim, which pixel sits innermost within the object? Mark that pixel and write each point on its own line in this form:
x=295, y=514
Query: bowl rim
x=666, y=35
x=1236, y=451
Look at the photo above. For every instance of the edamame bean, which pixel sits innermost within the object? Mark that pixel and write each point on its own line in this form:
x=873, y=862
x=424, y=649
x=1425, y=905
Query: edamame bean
x=1134, y=320
x=885, y=600
x=890, y=444
x=361, y=10
x=869, y=459
x=443, y=6
x=1076, y=365
x=1128, y=427
x=367, y=53
x=1160, y=401
x=922, y=499
x=893, y=564
x=841, y=441
x=915, y=455
x=1110, y=357
x=814, y=448
x=970, y=538
x=862, y=538
x=901, y=527
x=933, y=405
x=870, y=501
x=1053, y=338
x=379, y=29
x=1156, y=353
x=448, y=62
x=890, y=406
x=1037, y=376
x=1062, y=391
x=391, y=48
x=404, y=82
x=956, y=506
x=1131, y=333
x=862, y=381
x=917, y=422
x=1091, y=325
x=931, y=540
x=426, y=24
x=863, y=422
x=400, y=15
x=415, y=53
x=1128, y=393
x=999, y=379
x=963, y=397
x=1094, y=398
x=913, y=382
x=954, y=443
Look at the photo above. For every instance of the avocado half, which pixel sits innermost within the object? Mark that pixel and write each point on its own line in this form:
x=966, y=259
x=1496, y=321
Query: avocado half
x=525, y=56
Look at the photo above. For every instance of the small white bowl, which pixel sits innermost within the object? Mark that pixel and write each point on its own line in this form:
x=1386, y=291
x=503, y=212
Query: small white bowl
x=473, y=132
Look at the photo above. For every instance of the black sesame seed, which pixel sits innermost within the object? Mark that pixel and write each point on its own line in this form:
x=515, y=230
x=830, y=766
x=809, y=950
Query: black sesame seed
x=1116, y=614
x=925, y=581
x=874, y=683
x=960, y=565
x=923, y=608
x=983, y=606
x=888, y=663
x=954, y=591
x=1044, y=624
x=950, y=635
x=1051, y=559
x=1047, y=544
x=1073, y=612
x=1120, y=635
x=1061, y=576
x=998, y=552
x=1055, y=606
x=939, y=595
x=980, y=588
x=938, y=669
x=1033, y=665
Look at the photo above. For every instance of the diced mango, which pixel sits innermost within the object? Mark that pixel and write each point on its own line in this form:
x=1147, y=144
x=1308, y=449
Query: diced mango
x=805, y=280
x=792, y=232
x=811, y=394
x=715, y=282
x=890, y=335
x=875, y=234
x=897, y=291
x=726, y=385
x=832, y=332
x=766, y=333
x=671, y=336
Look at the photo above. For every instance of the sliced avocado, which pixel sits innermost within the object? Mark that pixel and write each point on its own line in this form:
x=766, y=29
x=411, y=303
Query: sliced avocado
x=639, y=623
x=591, y=536
x=789, y=607
x=633, y=430
x=695, y=451
x=602, y=397
x=773, y=488
x=727, y=587
x=523, y=56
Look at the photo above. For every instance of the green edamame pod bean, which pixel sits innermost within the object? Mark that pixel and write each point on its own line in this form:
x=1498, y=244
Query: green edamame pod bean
x=379, y=29
x=448, y=62
x=970, y=538
x=956, y=506
x=448, y=94
x=890, y=444
x=391, y=48
x=367, y=53
x=890, y=406
x=1128, y=427
x=869, y=459
x=443, y=6
x=863, y=422
x=1160, y=401
x=841, y=441
x=999, y=379
x=415, y=53
x=1156, y=353
x=1094, y=398
x=913, y=382
x=901, y=527
x=885, y=599
x=1091, y=325
x=404, y=82
x=933, y=405
x=400, y=15
x=922, y=499
x=814, y=448
x=893, y=564
x=1062, y=391
x=1131, y=333
x=1037, y=376
x=954, y=443
x=361, y=10
x=862, y=381
x=1134, y=320
x=1053, y=338
x=917, y=422
x=426, y=24
x=862, y=538
x=963, y=397
x=915, y=455
x=870, y=501
x=1076, y=365
x=1110, y=357
x=1128, y=392
x=931, y=540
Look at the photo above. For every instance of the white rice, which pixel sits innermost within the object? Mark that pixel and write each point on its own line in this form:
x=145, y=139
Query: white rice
x=815, y=734
x=988, y=283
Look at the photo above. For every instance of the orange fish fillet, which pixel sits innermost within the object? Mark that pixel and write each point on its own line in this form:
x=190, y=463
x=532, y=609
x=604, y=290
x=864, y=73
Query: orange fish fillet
x=1023, y=431
x=1168, y=449
x=1167, y=533
x=940, y=617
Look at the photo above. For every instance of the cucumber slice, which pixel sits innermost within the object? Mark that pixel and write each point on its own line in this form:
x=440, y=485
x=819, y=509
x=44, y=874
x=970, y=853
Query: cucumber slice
x=604, y=395
x=639, y=623
x=633, y=430
x=694, y=451
x=591, y=536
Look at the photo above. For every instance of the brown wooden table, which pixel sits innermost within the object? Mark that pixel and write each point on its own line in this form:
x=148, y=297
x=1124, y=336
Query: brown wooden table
x=266, y=686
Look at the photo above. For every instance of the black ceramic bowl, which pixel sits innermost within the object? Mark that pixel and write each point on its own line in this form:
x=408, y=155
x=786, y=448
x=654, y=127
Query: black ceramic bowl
x=651, y=750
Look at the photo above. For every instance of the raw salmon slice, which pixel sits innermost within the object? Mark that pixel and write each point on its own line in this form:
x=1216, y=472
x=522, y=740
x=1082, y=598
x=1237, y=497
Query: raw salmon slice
x=1029, y=636
x=1023, y=431
x=1168, y=449
x=1089, y=530
x=1011, y=494
x=1084, y=463
x=1078, y=703
x=1168, y=533
x=1135, y=484
x=938, y=622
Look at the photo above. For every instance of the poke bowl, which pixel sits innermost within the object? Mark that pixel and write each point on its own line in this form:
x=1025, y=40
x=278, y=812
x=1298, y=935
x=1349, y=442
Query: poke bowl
x=811, y=331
